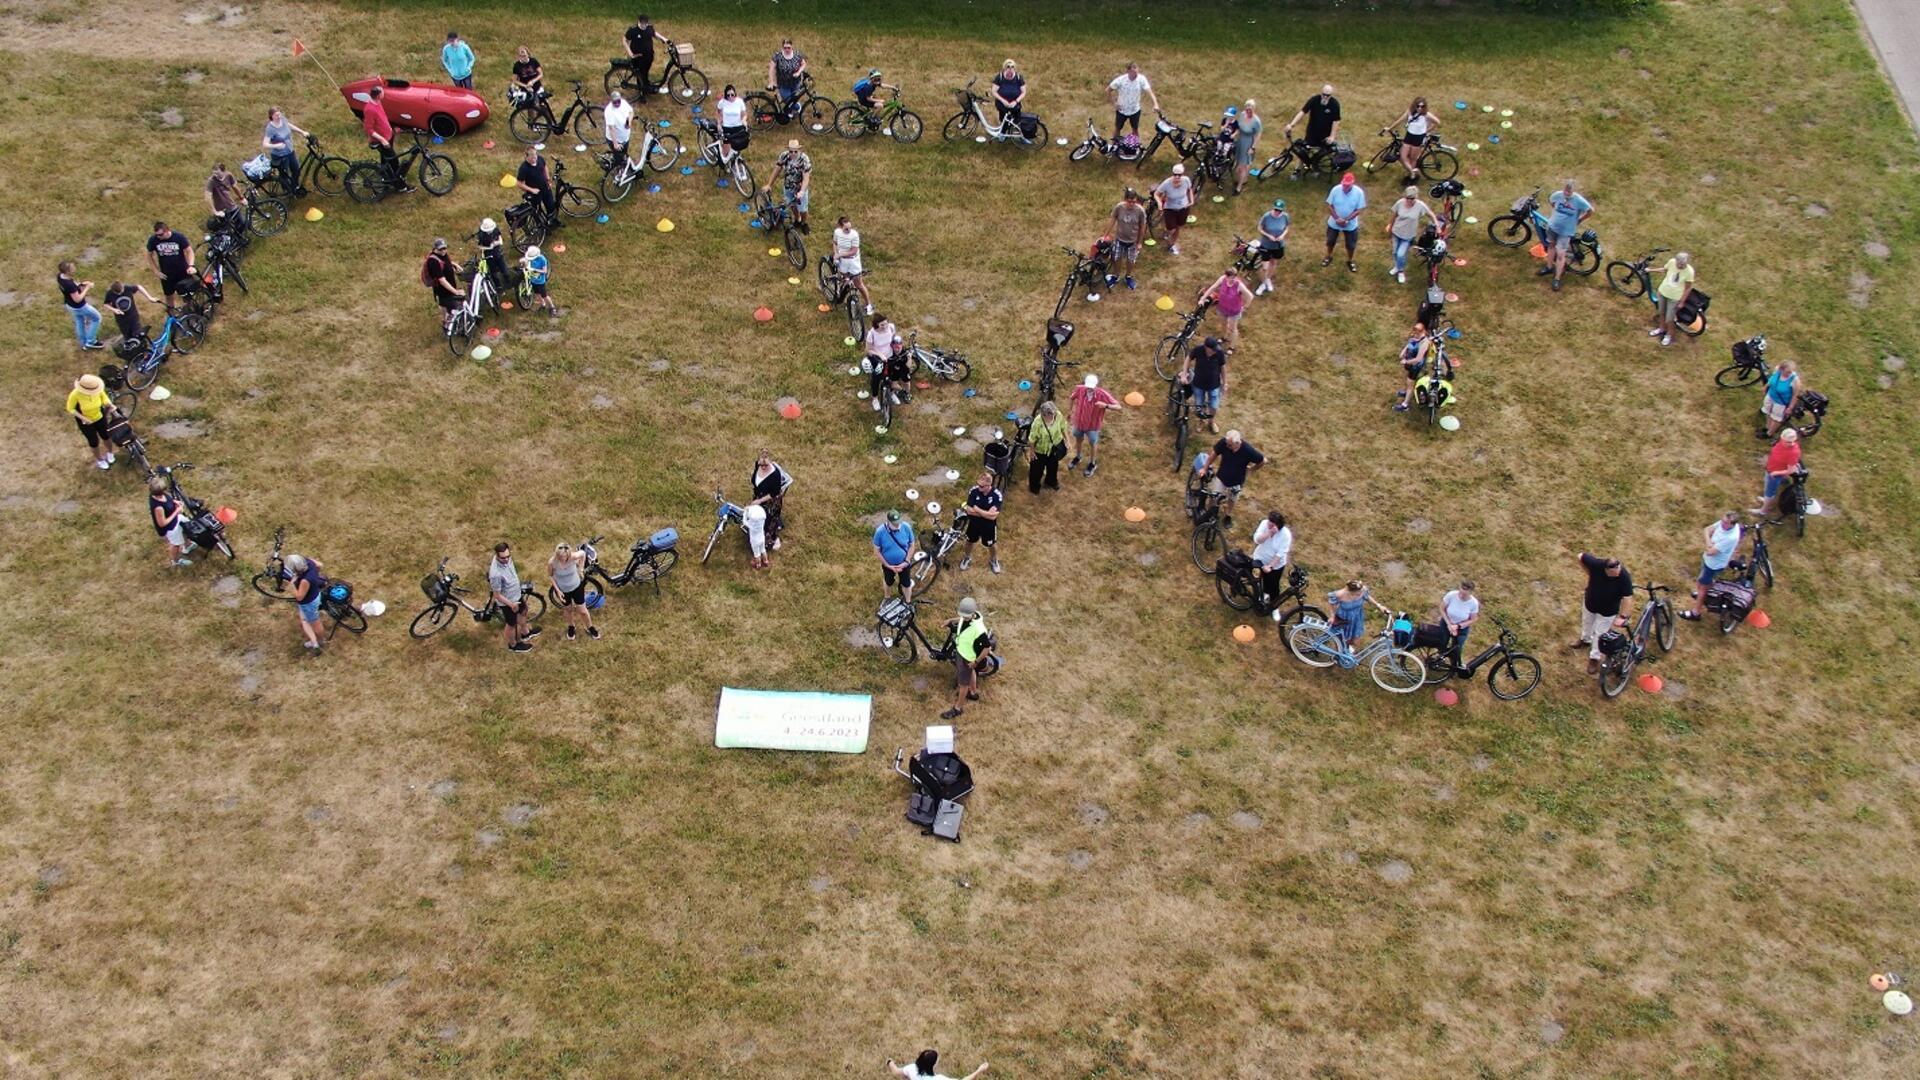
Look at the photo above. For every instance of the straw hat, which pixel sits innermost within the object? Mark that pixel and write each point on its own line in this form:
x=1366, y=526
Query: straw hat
x=90, y=383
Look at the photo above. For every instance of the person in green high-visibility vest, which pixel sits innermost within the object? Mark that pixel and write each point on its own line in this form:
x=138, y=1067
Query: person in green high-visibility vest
x=971, y=643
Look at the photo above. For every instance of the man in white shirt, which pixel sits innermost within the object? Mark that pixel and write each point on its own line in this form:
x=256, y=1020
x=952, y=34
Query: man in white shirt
x=1459, y=610
x=619, y=124
x=1272, y=548
x=1723, y=539
x=846, y=258
x=1175, y=196
x=509, y=597
x=1125, y=92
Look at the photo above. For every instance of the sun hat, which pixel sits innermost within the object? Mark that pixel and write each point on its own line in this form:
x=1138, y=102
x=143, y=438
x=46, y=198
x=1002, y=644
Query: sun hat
x=969, y=606
x=533, y=251
x=90, y=383
x=487, y=224
x=793, y=144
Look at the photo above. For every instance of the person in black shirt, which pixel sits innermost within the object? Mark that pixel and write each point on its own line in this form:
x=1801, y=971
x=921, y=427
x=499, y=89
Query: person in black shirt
x=1233, y=459
x=164, y=512
x=770, y=484
x=1608, y=600
x=119, y=299
x=493, y=251
x=1322, y=114
x=1206, y=373
x=444, y=279
x=640, y=38
x=536, y=184
x=983, y=521
x=171, y=256
x=1009, y=92
x=527, y=74
x=86, y=317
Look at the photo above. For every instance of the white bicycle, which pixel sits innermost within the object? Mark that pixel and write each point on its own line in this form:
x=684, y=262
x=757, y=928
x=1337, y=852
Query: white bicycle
x=481, y=297
x=658, y=153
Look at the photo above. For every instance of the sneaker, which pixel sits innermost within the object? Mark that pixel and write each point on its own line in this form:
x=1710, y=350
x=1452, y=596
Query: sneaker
x=1402, y=407
x=1666, y=339
x=1400, y=277
x=876, y=404
x=1655, y=332
x=520, y=646
x=950, y=714
x=313, y=646
x=532, y=632
x=183, y=561
x=1226, y=521
x=1352, y=267
x=1112, y=281
x=1583, y=643
x=776, y=544
x=869, y=309
x=1093, y=298
x=1593, y=666
x=1276, y=614
x=93, y=346
x=994, y=566
x=570, y=634
x=1543, y=271
x=1328, y=261
x=1131, y=285
x=1074, y=464
x=1556, y=284
x=1173, y=249
x=966, y=562
x=1092, y=465
x=103, y=466
x=593, y=632
x=1263, y=288
x=110, y=458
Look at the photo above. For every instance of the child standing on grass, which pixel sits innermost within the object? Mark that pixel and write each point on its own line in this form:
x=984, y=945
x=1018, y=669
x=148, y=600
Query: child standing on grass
x=534, y=262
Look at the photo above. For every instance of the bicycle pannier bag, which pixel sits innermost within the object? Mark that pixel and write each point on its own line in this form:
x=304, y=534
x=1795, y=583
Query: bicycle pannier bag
x=1029, y=125
x=738, y=138
x=1749, y=351
x=257, y=167
x=1059, y=332
x=119, y=431
x=1613, y=642
x=664, y=540
x=1789, y=500
x=1430, y=636
x=1695, y=306
x=895, y=612
x=1343, y=158
x=1732, y=597
x=202, y=528
x=1235, y=566
x=1813, y=402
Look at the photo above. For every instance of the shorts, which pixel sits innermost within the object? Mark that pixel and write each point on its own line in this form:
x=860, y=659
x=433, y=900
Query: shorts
x=1272, y=254
x=1707, y=574
x=573, y=597
x=963, y=673
x=1773, y=410
x=539, y=288
x=94, y=430
x=1420, y=141
x=1774, y=484
x=849, y=266
x=1121, y=120
x=1092, y=435
x=1174, y=217
x=890, y=575
x=980, y=530
x=1124, y=251
x=173, y=286
x=1559, y=242
x=1665, y=308
x=1208, y=399
x=618, y=149
x=799, y=199
x=1334, y=234
x=1413, y=370
x=447, y=300
x=176, y=535
x=310, y=609
x=512, y=612
x=1215, y=487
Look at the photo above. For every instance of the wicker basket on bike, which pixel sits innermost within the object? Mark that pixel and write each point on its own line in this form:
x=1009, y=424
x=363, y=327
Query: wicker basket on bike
x=435, y=587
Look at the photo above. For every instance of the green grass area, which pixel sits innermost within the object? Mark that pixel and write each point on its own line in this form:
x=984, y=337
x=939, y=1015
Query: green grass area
x=1187, y=857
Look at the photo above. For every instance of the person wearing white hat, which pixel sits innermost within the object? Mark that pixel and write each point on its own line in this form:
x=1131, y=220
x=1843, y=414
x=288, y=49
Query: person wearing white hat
x=795, y=170
x=1174, y=196
x=493, y=251
x=1087, y=407
x=535, y=264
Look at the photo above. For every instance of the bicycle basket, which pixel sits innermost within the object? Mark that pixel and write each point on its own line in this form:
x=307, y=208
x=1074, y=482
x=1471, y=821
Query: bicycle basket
x=895, y=612
x=435, y=587
x=119, y=432
x=257, y=167
x=997, y=457
x=1523, y=204
x=114, y=376
x=1059, y=332
x=1613, y=642
x=1813, y=402
x=1751, y=351
x=1402, y=633
x=683, y=50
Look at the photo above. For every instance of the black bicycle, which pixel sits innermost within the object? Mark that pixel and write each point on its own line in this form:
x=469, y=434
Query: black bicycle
x=897, y=624
x=1635, y=279
x=1794, y=502
x=1749, y=364
x=275, y=582
x=1166, y=131
x=319, y=171
x=1088, y=276
x=447, y=599
x=369, y=181
x=1180, y=418
x=777, y=218
x=1514, y=674
x=575, y=201
x=1438, y=161
x=839, y=291
x=1732, y=596
x=650, y=559
x=806, y=105
x=1301, y=159
x=1049, y=370
x=201, y=527
x=687, y=84
x=533, y=120
x=1171, y=354
x=1203, y=502
x=127, y=442
x=1239, y=586
x=1621, y=652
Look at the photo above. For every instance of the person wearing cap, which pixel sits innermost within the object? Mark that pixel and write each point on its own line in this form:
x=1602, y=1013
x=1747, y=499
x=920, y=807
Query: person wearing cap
x=309, y=588
x=163, y=513
x=1228, y=131
x=638, y=41
x=1567, y=210
x=982, y=509
x=1723, y=539
x=846, y=258
x=1127, y=224
x=1125, y=92
x=1230, y=293
x=443, y=277
x=510, y=600
x=1322, y=114
x=1245, y=139
x=971, y=643
x=493, y=252
x=1205, y=372
x=1344, y=203
x=86, y=317
x=795, y=170
x=457, y=57
x=91, y=408
x=770, y=483
x=894, y=545
x=1234, y=458
x=534, y=262
x=1046, y=445
x=1403, y=228
x=1676, y=285
x=536, y=185
x=1782, y=460
x=1174, y=196
x=1273, y=228
x=784, y=71
x=617, y=125
x=872, y=84
x=1088, y=405
x=1009, y=92
x=1606, y=604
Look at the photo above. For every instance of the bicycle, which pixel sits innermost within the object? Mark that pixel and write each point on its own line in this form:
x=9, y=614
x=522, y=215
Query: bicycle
x=533, y=120
x=1433, y=390
x=465, y=319
x=1246, y=256
x=261, y=213
x=223, y=262
x=1394, y=668
x=893, y=394
x=1011, y=128
x=1096, y=143
x=1171, y=355
x=1089, y=273
x=322, y=172
x=1732, y=604
x=198, y=525
x=1749, y=364
x=1203, y=503
x=944, y=364
x=687, y=83
x=1240, y=589
x=1300, y=159
x=726, y=514
x=767, y=109
x=1188, y=145
x=179, y=334
x=574, y=201
x=897, y=624
x=1634, y=280
x=1000, y=455
x=1621, y=652
x=448, y=598
x=778, y=217
x=1514, y=676
x=658, y=153
x=1438, y=161
x=1180, y=416
x=839, y=290
x=369, y=182
x=1794, y=501
x=128, y=442
x=275, y=581
x=649, y=560
x=925, y=568
x=889, y=117
x=1521, y=224
x=722, y=157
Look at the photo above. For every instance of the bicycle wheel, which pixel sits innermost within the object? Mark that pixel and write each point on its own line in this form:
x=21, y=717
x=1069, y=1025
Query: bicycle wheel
x=1398, y=671
x=1233, y=593
x=762, y=110
x=1763, y=570
x=1313, y=644
x=1040, y=137
x=616, y=183
x=1584, y=260
x=906, y=126
x=460, y=327
x=856, y=320
x=713, y=539
x=432, y=621
x=824, y=273
x=958, y=126
x=528, y=124
x=271, y=585
x=1385, y=156
x=1081, y=152
x=1509, y=231
x=957, y=368
x=140, y=374
x=349, y=619
x=232, y=270
x=796, y=249
x=1809, y=426
x=1729, y=622
x=536, y=605
x=922, y=572
x=364, y=184
x=266, y=216
x=1066, y=294
x=1735, y=376
x=897, y=641
x=1663, y=627
x=662, y=565
x=742, y=173
x=330, y=175
x=1695, y=328
x=1167, y=359
x=1208, y=546
x=817, y=114
x=579, y=202
x=1514, y=677
x=664, y=152
x=1614, y=671
x=590, y=125
x=851, y=121
x=1800, y=520
x=126, y=401
x=1626, y=280
x=1274, y=166
x=1437, y=662
x=1438, y=165
x=688, y=85
x=438, y=174
x=1180, y=434
x=188, y=332
x=622, y=78
x=1299, y=616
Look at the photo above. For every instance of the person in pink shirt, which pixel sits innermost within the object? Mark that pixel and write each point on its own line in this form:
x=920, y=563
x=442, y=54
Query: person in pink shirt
x=1087, y=408
x=1232, y=295
x=379, y=129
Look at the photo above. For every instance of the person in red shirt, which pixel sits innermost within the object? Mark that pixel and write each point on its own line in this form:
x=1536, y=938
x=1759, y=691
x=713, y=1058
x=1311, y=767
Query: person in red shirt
x=1087, y=407
x=1781, y=461
x=379, y=129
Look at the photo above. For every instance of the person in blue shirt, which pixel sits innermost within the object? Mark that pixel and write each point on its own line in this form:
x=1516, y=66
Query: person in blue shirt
x=864, y=90
x=534, y=262
x=893, y=543
x=1344, y=203
x=1567, y=211
x=457, y=57
x=1783, y=391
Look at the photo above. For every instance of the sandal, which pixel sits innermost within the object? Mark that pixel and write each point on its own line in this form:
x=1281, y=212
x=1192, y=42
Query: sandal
x=1690, y=616
x=950, y=714
x=1352, y=267
x=1328, y=261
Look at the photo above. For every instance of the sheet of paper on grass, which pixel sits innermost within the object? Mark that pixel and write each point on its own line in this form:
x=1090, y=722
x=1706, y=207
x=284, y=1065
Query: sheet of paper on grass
x=792, y=720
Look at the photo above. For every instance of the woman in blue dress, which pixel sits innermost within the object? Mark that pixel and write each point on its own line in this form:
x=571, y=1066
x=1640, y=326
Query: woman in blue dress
x=1349, y=605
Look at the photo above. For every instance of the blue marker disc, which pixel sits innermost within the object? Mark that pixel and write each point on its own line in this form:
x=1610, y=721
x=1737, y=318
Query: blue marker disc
x=1011, y=415
x=686, y=170
x=722, y=182
x=1493, y=138
x=603, y=219
x=1453, y=332
x=1460, y=105
x=968, y=392
x=1026, y=384
x=654, y=190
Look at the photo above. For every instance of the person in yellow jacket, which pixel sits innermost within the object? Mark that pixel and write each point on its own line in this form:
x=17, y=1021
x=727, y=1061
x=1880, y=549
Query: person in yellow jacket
x=1046, y=445
x=971, y=644
x=91, y=408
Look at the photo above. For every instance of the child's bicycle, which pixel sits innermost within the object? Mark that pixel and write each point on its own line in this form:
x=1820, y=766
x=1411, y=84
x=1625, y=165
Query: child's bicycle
x=179, y=334
x=888, y=117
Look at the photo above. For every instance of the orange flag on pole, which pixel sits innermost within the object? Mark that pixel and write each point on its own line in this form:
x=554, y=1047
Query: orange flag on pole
x=298, y=48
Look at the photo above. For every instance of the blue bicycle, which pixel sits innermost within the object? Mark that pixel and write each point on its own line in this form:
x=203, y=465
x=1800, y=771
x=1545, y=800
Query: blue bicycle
x=1394, y=669
x=1525, y=221
x=179, y=334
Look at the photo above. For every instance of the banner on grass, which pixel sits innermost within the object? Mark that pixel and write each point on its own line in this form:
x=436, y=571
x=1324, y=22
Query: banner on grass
x=788, y=720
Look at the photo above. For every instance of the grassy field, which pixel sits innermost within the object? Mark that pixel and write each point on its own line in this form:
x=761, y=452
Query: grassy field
x=1186, y=857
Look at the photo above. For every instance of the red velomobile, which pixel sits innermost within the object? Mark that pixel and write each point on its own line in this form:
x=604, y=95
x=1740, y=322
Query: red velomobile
x=437, y=108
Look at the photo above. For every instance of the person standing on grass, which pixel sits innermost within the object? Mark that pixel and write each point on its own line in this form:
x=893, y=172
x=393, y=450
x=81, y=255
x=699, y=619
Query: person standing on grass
x=1344, y=203
x=1175, y=198
x=1232, y=295
x=493, y=252
x=1782, y=460
x=165, y=511
x=983, y=521
x=86, y=317
x=90, y=408
x=1403, y=228
x=1125, y=92
x=795, y=170
x=882, y=345
x=1089, y=404
x=503, y=581
x=894, y=545
x=223, y=193
x=1128, y=226
x=379, y=131
x=309, y=587
x=535, y=182
x=1245, y=139
x=1349, y=619
x=846, y=258
x=1274, y=226
x=1606, y=604
x=277, y=139
x=1567, y=211
x=638, y=41
x=1723, y=539
x=1413, y=361
x=1459, y=609
x=1205, y=373
x=171, y=256
x=1272, y=550
x=924, y=1068
x=784, y=71
x=970, y=644
x=1421, y=126
x=567, y=569
x=443, y=278
x=1783, y=393
x=457, y=57
x=770, y=484
x=1322, y=114
x=617, y=117
x=535, y=264
x=1233, y=460
x=1676, y=285
x=1046, y=445
x=1009, y=92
